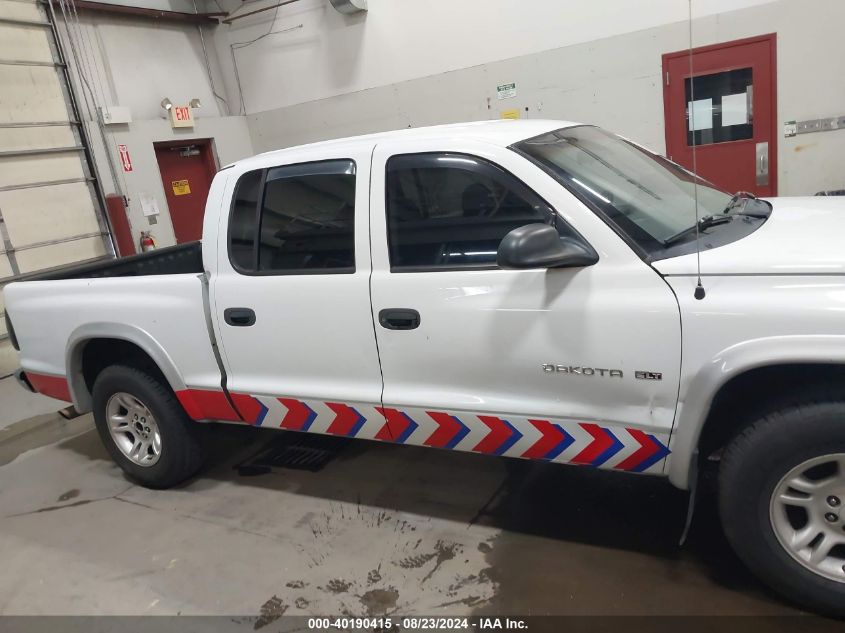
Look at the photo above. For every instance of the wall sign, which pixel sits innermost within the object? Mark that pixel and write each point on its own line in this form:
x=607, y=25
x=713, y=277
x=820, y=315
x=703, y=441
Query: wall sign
x=181, y=187
x=506, y=91
x=149, y=206
x=181, y=116
x=124, y=158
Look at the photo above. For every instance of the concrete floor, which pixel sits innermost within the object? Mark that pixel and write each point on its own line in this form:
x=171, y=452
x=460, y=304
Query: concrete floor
x=16, y=404
x=376, y=528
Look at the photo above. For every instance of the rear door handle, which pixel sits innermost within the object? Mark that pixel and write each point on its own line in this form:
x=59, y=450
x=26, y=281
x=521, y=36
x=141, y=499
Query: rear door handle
x=239, y=317
x=399, y=318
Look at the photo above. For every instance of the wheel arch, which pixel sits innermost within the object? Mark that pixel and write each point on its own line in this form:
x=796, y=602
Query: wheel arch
x=751, y=368
x=94, y=346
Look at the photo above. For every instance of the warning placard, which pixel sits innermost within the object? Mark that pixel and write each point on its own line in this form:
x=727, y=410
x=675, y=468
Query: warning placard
x=506, y=91
x=181, y=187
x=124, y=158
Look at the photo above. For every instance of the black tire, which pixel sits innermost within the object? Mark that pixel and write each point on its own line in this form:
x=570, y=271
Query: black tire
x=752, y=466
x=181, y=453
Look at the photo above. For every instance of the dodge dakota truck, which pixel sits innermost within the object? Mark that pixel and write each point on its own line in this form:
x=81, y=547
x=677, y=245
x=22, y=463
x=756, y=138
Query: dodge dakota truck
x=519, y=288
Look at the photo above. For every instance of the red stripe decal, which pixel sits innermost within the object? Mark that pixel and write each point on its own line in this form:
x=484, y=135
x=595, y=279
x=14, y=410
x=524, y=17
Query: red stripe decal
x=299, y=415
x=344, y=419
x=250, y=408
x=392, y=418
x=448, y=427
x=204, y=404
x=347, y=420
x=601, y=442
x=498, y=435
x=646, y=450
x=552, y=437
x=53, y=386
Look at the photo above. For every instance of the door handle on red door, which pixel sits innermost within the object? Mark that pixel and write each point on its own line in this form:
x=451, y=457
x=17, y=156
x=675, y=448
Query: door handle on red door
x=762, y=171
x=399, y=318
x=239, y=317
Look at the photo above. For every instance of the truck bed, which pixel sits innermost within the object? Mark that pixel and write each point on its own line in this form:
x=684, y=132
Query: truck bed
x=173, y=260
x=154, y=300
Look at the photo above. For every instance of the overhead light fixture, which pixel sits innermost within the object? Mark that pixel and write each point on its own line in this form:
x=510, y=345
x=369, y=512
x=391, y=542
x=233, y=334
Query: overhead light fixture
x=195, y=103
x=166, y=104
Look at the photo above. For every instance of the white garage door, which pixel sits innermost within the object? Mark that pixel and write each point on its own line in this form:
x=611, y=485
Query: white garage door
x=50, y=210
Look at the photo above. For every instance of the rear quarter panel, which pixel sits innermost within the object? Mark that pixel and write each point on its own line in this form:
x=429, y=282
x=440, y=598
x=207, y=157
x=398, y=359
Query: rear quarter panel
x=162, y=314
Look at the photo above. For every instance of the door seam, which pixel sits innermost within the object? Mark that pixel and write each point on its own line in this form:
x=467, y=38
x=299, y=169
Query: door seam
x=380, y=408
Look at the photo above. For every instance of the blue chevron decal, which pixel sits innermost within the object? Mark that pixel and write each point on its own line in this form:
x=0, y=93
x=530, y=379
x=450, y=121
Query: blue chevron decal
x=262, y=413
x=410, y=427
x=661, y=452
x=565, y=443
x=461, y=434
x=513, y=439
x=610, y=451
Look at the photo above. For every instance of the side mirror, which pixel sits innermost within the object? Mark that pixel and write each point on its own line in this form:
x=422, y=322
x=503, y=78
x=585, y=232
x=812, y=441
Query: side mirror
x=540, y=246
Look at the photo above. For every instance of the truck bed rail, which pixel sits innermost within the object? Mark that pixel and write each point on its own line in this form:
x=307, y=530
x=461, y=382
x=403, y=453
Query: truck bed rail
x=173, y=260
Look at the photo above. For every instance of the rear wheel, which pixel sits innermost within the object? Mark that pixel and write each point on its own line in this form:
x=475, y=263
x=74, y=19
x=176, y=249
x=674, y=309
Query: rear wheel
x=144, y=428
x=781, y=496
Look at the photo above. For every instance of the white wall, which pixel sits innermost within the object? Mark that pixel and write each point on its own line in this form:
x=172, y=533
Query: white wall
x=398, y=40
x=614, y=81
x=135, y=63
x=231, y=142
x=419, y=62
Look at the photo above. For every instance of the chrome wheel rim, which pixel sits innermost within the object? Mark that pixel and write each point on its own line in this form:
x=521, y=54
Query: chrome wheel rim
x=133, y=429
x=808, y=518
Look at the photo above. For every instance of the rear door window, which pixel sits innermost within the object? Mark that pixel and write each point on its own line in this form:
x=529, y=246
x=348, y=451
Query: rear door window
x=302, y=220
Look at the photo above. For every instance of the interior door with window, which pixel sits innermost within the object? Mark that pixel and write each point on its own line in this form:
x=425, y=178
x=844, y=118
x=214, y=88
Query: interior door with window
x=534, y=363
x=291, y=296
x=727, y=109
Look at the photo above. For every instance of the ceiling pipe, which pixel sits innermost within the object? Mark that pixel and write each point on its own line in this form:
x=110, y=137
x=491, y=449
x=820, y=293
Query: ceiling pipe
x=343, y=6
x=153, y=14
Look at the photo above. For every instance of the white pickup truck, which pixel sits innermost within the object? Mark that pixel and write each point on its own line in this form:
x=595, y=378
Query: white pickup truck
x=517, y=288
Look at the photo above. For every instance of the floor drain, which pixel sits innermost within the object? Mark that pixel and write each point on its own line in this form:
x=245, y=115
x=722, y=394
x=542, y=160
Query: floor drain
x=297, y=451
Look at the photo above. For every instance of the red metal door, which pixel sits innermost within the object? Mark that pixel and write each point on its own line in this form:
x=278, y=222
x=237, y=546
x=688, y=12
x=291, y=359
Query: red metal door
x=728, y=111
x=187, y=169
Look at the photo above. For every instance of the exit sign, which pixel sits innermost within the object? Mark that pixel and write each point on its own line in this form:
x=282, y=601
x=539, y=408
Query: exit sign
x=181, y=116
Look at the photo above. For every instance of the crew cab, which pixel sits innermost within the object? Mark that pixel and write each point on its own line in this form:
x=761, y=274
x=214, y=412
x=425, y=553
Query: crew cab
x=533, y=289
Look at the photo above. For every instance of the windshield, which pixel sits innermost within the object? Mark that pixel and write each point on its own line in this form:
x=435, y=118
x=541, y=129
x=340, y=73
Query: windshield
x=648, y=197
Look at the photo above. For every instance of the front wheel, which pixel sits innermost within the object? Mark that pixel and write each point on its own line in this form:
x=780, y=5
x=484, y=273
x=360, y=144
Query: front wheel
x=781, y=496
x=144, y=428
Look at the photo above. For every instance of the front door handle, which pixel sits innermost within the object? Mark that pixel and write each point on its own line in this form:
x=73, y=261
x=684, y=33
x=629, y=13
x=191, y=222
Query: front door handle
x=239, y=317
x=399, y=318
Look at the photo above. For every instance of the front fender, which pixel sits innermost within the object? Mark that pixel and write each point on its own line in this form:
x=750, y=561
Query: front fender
x=121, y=331
x=695, y=402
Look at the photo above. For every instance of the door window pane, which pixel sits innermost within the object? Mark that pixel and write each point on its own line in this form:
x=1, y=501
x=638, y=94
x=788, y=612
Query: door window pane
x=720, y=107
x=307, y=218
x=448, y=210
x=242, y=221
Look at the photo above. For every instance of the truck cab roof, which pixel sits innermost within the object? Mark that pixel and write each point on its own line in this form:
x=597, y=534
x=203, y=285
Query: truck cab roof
x=503, y=133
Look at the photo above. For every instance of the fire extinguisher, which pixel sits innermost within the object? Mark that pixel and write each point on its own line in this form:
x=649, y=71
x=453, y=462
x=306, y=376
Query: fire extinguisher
x=147, y=242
